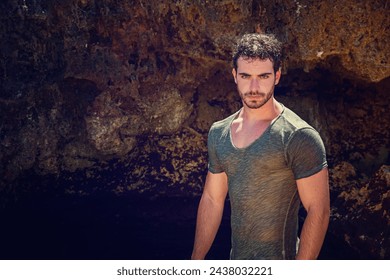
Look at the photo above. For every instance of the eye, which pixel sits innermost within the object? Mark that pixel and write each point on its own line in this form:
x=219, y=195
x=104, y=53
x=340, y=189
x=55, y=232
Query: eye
x=264, y=76
x=244, y=76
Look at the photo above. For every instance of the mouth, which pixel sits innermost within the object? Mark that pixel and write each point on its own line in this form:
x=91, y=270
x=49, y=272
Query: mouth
x=256, y=95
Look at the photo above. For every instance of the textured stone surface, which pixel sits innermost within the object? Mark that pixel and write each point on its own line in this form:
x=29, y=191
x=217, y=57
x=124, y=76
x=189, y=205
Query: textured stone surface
x=116, y=69
x=362, y=215
x=338, y=34
x=119, y=95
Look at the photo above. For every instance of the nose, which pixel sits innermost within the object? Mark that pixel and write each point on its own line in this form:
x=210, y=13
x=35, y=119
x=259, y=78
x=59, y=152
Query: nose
x=255, y=85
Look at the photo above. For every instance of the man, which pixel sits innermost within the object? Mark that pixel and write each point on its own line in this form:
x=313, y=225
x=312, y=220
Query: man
x=269, y=160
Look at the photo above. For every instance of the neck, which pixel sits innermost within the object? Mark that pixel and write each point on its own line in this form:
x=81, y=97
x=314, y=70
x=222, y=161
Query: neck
x=267, y=112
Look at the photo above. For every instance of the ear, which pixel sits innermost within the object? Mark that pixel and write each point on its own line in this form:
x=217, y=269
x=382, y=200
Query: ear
x=278, y=74
x=234, y=75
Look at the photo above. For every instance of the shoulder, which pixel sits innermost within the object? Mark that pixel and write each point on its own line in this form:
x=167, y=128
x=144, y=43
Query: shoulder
x=299, y=129
x=292, y=121
x=288, y=124
x=290, y=128
x=302, y=140
x=222, y=127
x=304, y=149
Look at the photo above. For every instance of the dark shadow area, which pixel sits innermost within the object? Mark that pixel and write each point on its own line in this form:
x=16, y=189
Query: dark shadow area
x=106, y=226
x=103, y=226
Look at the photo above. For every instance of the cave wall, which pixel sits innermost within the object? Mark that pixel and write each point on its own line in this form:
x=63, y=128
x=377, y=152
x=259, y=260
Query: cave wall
x=119, y=95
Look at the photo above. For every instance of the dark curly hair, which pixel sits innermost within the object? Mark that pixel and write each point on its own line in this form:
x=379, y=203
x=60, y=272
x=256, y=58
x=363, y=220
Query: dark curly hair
x=260, y=46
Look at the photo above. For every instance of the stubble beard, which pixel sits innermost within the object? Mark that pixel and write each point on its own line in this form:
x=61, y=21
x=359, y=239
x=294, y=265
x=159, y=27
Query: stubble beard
x=257, y=102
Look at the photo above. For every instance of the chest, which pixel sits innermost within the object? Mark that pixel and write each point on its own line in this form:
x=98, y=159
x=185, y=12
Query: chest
x=262, y=155
x=243, y=136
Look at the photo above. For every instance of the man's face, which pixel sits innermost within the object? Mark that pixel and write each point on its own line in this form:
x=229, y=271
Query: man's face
x=255, y=81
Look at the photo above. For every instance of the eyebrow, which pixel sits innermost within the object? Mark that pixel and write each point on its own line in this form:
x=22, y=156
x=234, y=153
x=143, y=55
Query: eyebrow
x=243, y=73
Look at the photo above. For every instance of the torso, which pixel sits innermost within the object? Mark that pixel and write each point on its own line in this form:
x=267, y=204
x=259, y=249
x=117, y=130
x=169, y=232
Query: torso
x=262, y=188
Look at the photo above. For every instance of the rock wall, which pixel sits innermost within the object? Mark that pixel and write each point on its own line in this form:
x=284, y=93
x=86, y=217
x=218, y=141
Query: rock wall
x=119, y=95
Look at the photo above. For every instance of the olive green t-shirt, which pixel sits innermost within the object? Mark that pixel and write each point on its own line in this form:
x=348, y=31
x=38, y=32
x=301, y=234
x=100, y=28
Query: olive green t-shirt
x=261, y=180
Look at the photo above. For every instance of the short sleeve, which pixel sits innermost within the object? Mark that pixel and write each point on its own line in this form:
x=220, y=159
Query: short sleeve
x=305, y=153
x=214, y=164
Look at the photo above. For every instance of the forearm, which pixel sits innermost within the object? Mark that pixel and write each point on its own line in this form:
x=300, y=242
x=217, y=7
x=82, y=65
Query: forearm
x=208, y=222
x=313, y=234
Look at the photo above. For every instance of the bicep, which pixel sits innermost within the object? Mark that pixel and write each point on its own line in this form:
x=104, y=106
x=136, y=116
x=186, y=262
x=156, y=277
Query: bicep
x=314, y=190
x=216, y=187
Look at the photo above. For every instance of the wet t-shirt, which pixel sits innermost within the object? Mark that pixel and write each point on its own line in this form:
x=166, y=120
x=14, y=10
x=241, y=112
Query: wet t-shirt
x=262, y=183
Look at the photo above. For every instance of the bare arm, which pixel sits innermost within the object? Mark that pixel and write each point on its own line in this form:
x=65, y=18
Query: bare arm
x=314, y=194
x=209, y=213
